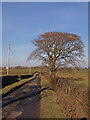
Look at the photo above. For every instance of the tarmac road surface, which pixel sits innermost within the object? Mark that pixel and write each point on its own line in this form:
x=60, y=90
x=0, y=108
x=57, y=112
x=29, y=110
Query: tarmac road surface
x=23, y=102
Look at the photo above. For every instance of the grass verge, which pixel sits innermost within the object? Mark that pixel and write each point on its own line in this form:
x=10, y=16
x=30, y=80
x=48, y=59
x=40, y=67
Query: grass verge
x=8, y=88
x=49, y=107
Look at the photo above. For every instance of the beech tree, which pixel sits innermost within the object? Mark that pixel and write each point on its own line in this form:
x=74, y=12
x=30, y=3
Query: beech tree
x=57, y=49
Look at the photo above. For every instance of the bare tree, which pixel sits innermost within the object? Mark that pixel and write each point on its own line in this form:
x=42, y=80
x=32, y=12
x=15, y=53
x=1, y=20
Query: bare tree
x=58, y=49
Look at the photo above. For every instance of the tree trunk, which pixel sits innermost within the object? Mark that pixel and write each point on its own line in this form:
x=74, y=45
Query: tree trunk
x=53, y=75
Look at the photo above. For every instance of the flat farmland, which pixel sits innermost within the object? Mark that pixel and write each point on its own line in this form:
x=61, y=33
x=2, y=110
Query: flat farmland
x=56, y=101
x=23, y=70
x=14, y=71
x=81, y=75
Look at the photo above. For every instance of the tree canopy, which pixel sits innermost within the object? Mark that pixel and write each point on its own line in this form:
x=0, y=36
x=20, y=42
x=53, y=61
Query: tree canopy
x=58, y=49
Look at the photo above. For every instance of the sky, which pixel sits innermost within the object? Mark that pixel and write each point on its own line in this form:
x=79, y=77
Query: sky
x=22, y=22
x=45, y=0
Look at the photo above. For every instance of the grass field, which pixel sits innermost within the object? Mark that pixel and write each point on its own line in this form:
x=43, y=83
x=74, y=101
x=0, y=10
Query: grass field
x=75, y=74
x=14, y=71
x=23, y=70
x=66, y=73
x=49, y=107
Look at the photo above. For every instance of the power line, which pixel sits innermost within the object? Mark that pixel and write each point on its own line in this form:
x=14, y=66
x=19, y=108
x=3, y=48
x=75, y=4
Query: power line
x=16, y=56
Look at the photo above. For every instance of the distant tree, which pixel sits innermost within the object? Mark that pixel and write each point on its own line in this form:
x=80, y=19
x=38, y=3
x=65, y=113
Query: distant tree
x=58, y=49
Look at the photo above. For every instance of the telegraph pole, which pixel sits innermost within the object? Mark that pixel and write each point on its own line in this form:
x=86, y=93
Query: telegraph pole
x=8, y=59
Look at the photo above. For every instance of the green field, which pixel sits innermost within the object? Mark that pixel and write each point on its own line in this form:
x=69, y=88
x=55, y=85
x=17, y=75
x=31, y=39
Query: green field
x=23, y=70
x=14, y=71
x=66, y=73
x=75, y=74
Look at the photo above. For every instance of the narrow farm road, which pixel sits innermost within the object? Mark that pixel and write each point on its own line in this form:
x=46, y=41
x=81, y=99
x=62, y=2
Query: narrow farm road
x=24, y=102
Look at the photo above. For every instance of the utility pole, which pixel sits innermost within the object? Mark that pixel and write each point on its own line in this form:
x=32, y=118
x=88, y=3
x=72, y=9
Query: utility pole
x=8, y=59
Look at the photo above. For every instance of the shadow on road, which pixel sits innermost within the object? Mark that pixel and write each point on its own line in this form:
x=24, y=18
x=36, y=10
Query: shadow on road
x=17, y=87
x=26, y=96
